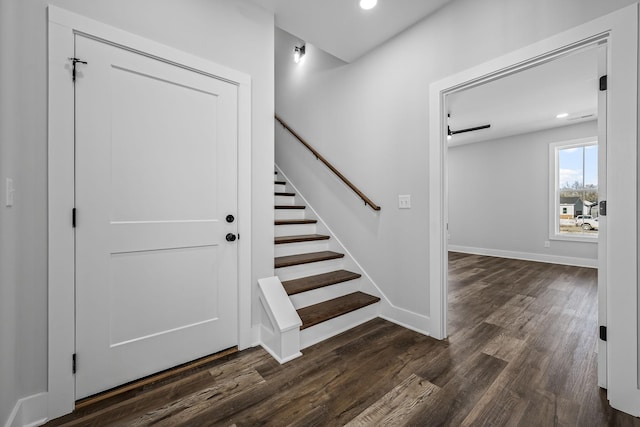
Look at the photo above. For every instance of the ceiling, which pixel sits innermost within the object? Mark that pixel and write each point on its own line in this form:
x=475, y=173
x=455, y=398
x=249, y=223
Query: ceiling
x=523, y=102
x=341, y=28
x=528, y=100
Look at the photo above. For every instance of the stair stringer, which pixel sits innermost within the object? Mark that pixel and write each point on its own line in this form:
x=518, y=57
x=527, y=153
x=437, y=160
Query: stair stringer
x=385, y=308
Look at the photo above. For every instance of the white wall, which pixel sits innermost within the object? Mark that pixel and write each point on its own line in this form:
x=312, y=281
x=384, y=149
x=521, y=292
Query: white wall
x=499, y=195
x=370, y=118
x=233, y=33
x=23, y=343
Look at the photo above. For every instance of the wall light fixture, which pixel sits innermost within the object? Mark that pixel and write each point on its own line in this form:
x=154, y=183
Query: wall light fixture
x=298, y=53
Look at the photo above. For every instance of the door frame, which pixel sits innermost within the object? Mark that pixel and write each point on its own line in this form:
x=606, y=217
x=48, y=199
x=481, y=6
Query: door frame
x=62, y=28
x=619, y=30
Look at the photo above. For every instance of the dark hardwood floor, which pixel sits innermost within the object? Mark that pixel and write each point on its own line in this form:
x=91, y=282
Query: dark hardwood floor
x=521, y=351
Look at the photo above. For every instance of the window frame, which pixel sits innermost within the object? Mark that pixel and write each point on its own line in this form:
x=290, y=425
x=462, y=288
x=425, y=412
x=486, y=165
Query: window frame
x=554, y=190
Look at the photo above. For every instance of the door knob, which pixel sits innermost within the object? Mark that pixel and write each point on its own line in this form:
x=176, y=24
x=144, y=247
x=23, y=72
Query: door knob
x=230, y=218
x=231, y=237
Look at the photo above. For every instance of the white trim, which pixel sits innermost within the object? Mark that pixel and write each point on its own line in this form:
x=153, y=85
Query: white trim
x=527, y=256
x=62, y=27
x=337, y=325
x=407, y=319
x=620, y=31
x=277, y=305
x=554, y=191
x=277, y=358
x=95, y=29
x=246, y=330
x=570, y=238
x=602, y=232
x=29, y=411
x=280, y=323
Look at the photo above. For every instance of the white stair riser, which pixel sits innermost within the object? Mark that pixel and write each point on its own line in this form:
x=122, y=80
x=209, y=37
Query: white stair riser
x=326, y=293
x=295, y=229
x=324, y=330
x=285, y=200
x=303, y=270
x=279, y=188
x=289, y=214
x=301, y=248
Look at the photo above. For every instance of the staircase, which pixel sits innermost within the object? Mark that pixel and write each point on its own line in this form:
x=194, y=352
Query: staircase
x=326, y=296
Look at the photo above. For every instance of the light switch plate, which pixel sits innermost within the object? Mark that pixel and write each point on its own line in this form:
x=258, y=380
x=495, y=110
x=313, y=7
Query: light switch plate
x=9, y=192
x=404, y=201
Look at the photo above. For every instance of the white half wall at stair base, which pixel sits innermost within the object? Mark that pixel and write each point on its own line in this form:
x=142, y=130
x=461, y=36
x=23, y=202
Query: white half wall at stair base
x=280, y=323
x=385, y=309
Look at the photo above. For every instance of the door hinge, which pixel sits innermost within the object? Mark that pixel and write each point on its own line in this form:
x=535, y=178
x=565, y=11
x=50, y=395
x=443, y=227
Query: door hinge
x=74, y=61
x=73, y=217
x=603, y=333
x=602, y=208
x=73, y=363
x=603, y=82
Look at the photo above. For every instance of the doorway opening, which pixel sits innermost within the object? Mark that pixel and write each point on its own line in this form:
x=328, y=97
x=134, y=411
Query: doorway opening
x=507, y=195
x=522, y=116
x=617, y=258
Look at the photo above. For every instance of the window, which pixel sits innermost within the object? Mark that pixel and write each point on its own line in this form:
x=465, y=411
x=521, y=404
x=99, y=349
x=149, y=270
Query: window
x=573, y=190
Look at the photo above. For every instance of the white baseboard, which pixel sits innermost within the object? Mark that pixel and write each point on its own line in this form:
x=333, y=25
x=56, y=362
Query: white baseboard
x=527, y=256
x=407, y=319
x=29, y=411
x=277, y=357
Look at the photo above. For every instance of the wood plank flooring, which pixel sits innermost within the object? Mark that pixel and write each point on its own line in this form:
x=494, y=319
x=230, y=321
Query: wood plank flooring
x=521, y=351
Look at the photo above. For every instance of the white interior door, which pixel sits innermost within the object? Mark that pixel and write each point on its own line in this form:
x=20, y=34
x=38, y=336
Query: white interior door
x=156, y=176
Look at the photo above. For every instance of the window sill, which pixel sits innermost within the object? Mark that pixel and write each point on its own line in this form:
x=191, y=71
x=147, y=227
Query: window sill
x=583, y=239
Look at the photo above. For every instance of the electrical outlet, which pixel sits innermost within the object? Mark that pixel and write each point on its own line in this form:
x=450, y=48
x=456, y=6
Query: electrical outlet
x=404, y=201
x=547, y=244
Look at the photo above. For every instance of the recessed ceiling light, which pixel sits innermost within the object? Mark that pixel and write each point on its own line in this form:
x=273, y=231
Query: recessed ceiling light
x=368, y=4
x=562, y=115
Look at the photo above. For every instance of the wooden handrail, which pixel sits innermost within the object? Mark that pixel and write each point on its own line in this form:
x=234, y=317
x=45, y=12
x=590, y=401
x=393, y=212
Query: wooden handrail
x=367, y=201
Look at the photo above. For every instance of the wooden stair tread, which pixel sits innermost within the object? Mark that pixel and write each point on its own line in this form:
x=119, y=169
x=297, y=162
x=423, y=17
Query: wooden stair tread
x=289, y=260
x=294, y=221
x=300, y=238
x=280, y=183
x=309, y=283
x=318, y=313
x=290, y=207
x=278, y=193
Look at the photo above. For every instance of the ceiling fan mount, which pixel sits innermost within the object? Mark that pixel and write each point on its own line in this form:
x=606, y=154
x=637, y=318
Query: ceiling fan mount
x=455, y=132
x=471, y=129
